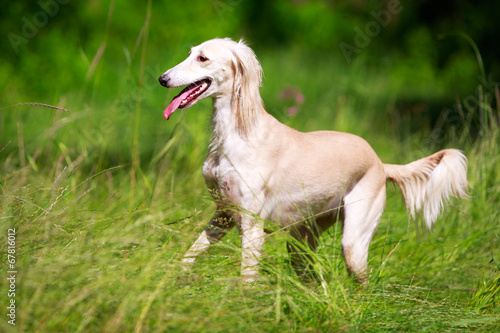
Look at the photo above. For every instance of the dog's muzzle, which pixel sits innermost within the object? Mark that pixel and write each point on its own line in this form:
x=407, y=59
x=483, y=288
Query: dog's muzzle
x=164, y=80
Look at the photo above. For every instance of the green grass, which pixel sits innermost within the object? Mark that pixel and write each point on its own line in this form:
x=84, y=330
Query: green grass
x=106, y=198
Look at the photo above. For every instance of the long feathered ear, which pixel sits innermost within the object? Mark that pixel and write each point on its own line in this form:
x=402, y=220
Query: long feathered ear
x=246, y=100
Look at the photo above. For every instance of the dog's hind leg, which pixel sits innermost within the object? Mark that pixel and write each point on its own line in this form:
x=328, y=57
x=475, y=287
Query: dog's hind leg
x=218, y=227
x=363, y=207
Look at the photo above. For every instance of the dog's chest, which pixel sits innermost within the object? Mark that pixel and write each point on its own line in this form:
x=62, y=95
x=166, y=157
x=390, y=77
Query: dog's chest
x=230, y=176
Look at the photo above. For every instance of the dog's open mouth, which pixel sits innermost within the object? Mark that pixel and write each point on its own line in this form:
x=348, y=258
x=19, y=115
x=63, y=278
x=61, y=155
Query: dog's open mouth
x=187, y=96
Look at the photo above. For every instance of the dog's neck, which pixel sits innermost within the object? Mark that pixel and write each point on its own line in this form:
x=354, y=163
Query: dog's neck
x=227, y=125
x=223, y=119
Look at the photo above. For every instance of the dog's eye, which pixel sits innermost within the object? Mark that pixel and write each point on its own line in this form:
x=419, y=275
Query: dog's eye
x=202, y=58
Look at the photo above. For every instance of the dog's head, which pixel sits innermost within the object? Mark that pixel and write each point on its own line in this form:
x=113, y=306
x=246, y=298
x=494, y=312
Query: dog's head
x=215, y=68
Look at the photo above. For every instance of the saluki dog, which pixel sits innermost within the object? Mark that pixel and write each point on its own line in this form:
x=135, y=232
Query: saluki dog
x=259, y=169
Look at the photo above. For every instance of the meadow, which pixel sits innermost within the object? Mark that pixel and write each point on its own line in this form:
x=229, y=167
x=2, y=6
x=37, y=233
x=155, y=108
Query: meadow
x=105, y=195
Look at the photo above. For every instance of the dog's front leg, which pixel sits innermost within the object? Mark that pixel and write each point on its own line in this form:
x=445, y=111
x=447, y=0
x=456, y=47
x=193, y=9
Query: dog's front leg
x=252, y=238
x=217, y=228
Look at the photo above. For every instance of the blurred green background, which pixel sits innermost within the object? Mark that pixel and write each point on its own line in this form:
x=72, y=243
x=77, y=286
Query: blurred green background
x=106, y=195
x=402, y=62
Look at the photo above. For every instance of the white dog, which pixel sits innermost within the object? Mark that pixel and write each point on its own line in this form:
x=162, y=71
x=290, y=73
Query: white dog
x=259, y=169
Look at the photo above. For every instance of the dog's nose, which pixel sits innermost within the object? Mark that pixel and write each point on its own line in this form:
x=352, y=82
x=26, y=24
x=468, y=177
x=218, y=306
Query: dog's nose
x=163, y=80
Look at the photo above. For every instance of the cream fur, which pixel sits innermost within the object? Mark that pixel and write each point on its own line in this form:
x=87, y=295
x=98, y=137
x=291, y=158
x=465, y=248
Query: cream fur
x=259, y=169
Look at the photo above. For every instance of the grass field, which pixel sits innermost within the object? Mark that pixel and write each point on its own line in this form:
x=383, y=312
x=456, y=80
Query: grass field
x=107, y=197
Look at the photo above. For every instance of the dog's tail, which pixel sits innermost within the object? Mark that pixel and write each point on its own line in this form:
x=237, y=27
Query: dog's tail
x=429, y=182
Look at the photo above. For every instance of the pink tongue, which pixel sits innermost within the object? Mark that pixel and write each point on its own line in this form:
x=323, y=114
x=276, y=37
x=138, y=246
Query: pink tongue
x=176, y=102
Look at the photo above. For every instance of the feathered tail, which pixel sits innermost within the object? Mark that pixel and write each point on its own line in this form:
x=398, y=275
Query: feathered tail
x=428, y=183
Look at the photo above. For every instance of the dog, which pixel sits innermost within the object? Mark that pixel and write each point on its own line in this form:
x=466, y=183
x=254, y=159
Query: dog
x=258, y=169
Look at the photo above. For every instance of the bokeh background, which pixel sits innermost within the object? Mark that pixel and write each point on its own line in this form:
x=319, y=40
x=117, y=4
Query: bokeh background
x=403, y=62
x=105, y=194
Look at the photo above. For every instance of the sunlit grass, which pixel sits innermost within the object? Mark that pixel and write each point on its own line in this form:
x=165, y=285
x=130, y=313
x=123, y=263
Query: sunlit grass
x=106, y=198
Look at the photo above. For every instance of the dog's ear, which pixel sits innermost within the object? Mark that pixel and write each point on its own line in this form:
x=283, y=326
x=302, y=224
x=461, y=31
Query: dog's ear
x=239, y=71
x=247, y=80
